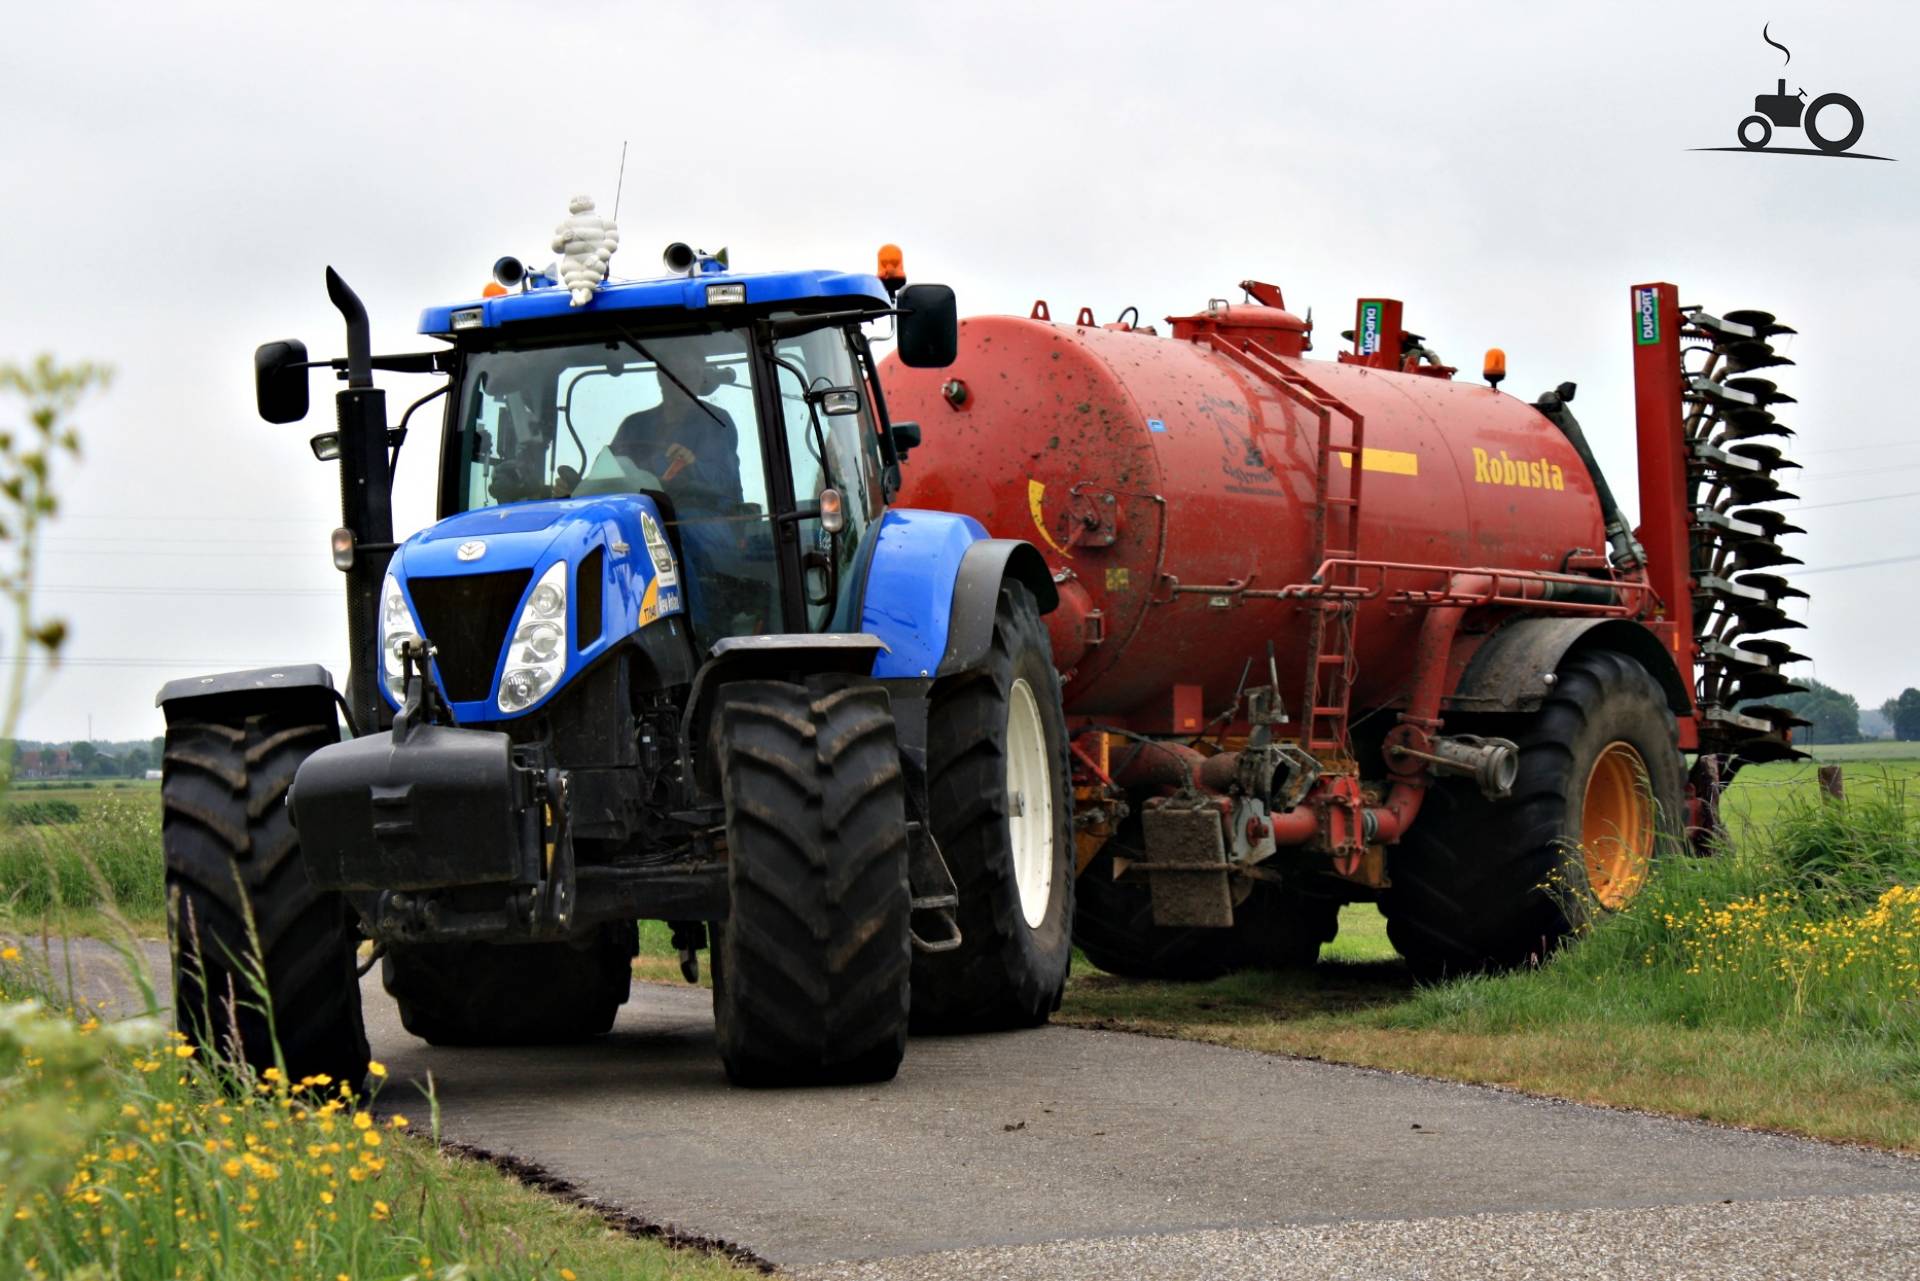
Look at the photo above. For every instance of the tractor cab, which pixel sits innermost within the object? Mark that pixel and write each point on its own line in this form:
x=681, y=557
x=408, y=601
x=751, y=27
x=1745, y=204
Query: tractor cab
x=715, y=445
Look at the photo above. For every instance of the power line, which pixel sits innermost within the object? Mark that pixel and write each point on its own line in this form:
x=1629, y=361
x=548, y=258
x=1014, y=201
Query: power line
x=1858, y=564
x=100, y=590
x=1863, y=471
x=175, y=518
x=1852, y=502
x=199, y=664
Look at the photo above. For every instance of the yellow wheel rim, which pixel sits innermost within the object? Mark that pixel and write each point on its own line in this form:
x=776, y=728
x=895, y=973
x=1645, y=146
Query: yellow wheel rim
x=1616, y=825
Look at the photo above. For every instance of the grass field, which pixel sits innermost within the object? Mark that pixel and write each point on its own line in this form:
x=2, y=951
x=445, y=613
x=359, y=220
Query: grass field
x=58, y=874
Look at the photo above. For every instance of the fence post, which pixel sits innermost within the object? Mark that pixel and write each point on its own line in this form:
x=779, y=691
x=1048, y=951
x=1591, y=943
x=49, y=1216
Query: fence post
x=1832, y=786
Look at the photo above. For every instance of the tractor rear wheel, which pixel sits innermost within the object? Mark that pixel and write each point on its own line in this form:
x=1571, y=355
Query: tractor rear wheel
x=1855, y=122
x=811, y=969
x=1480, y=884
x=243, y=914
x=1000, y=803
x=512, y=993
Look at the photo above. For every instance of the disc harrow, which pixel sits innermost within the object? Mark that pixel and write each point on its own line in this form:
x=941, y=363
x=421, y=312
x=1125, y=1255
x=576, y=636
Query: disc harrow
x=1734, y=537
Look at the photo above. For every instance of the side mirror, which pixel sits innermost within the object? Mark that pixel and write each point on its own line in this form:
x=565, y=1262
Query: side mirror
x=929, y=327
x=906, y=436
x=280, y=380
x=836, y=402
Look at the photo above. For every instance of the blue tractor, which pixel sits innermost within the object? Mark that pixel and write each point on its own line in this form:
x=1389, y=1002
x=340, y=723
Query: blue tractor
x=668, y=654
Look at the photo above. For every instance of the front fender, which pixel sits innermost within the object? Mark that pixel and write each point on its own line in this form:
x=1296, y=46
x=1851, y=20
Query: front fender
x=931, y=590
x=307, y=680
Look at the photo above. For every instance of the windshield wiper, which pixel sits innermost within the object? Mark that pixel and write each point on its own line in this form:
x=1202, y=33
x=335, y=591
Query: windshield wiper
x=673, y=378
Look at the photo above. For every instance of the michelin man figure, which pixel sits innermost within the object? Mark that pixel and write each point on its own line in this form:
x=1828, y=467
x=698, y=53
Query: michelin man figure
x=586, y=242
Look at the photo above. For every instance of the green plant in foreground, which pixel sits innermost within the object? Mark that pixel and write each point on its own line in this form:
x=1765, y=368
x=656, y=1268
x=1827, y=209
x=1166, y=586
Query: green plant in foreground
x=120, y=1148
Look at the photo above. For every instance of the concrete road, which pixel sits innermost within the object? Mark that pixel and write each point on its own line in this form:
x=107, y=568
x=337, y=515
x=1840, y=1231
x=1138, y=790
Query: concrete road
x=1062, y=1152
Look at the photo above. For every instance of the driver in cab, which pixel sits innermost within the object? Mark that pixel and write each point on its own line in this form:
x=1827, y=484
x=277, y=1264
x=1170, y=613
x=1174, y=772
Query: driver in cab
x=692, y=445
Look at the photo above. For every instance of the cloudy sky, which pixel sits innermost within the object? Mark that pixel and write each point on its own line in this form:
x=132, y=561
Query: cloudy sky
x=180, y=174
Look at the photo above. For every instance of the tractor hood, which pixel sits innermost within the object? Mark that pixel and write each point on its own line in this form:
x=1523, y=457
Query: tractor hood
x=517, y=600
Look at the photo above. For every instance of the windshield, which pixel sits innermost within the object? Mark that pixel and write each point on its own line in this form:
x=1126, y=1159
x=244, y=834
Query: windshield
x=569, y=421
x=672, y=417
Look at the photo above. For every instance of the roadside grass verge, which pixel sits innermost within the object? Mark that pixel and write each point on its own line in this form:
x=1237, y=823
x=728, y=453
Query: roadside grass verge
x=1774, y=986
x=122, y=1152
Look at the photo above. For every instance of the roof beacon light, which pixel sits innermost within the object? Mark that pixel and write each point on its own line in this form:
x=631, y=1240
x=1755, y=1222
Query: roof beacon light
x=1495, y=367
x=892, y=269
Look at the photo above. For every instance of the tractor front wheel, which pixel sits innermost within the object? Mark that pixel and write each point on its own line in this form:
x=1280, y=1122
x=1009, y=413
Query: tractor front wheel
x=263, y=964
x=512, y=993
x=1000, y=803
x=1755, y=132
x=1480, y=884
x=811, y=970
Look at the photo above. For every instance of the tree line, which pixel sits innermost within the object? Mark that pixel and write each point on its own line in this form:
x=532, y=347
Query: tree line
x=1835, y=714
x=81, y=758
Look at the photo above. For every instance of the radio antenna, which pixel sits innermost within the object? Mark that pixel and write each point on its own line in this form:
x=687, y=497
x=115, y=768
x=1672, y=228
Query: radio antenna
x=622, y=182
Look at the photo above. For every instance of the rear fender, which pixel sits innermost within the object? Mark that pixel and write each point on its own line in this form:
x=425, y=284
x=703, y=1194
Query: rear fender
x=1506, y=674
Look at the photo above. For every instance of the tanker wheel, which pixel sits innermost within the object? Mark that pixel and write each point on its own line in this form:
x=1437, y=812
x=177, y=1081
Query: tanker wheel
x=1857, y=122
x=1284, y=927
x=1274, y=927
x=242, y=914
x=1750, y=142
x=811, y=968
x=1001, y=807
x=1481, y=884
x=512, y=993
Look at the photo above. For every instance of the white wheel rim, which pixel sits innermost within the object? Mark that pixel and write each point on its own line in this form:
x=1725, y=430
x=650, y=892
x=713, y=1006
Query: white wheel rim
x=1029, y=803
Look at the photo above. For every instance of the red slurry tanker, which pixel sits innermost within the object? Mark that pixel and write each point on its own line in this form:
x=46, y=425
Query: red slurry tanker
x=1352, y=629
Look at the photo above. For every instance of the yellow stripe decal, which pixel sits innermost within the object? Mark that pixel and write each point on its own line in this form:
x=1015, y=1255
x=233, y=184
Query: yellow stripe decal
x=1395, y=462
x=1036, y=495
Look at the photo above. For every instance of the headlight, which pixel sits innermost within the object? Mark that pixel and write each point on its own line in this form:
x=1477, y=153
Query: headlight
x=537, y=654
x=397, y=629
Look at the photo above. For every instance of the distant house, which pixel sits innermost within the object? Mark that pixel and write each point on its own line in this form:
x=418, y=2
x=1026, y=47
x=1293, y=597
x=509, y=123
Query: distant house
x=152, y=776
x=48, y=763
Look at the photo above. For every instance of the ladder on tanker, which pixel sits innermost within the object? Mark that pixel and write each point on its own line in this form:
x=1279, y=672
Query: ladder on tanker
x=1331, y=657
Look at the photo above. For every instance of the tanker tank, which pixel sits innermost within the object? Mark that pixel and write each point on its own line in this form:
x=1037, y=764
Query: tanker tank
x=1171, y=481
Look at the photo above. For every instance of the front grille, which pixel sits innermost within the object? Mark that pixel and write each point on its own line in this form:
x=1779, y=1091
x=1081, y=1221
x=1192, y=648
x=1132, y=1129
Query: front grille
x=465, y=618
